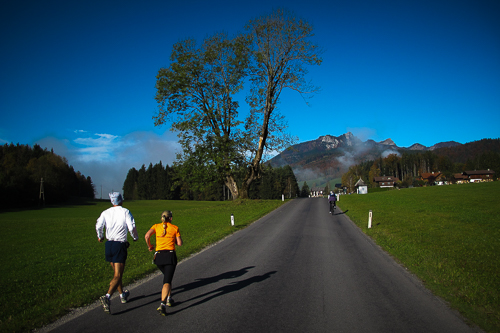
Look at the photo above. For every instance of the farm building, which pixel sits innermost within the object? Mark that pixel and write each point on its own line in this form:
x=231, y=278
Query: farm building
x=460, y=178
x=433, y=178
x=386, y=181
x=361, y=187
x=317, y=192
x=477, y=176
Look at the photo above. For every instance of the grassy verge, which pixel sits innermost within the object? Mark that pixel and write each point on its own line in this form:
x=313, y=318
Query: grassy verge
x=51, y=260
x=449, y=236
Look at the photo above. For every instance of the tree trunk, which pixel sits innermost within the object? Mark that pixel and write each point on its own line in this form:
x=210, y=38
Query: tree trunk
x=232, y=186
x=252, y=174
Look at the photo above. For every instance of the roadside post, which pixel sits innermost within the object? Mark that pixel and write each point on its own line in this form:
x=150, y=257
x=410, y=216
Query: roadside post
x=370, y=219
x=232, y=220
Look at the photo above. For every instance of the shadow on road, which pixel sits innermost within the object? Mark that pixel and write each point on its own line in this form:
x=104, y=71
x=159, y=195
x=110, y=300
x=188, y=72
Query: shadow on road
x=206, y=281
x=232, y=287
x=341, y=213
x=189, y=286
x=155, y=300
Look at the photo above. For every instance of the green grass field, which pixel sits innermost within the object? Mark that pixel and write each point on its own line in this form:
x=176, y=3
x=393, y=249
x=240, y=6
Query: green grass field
x=51, y=260
x=449, y=236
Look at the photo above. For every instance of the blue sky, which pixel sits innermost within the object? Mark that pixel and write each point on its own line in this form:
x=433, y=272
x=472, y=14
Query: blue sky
x=79, y=77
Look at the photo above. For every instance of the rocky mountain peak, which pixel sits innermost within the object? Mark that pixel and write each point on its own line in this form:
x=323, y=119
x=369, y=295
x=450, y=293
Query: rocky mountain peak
x=329, y=141
x=417, y=146
x=332, y=142
x=388, y=142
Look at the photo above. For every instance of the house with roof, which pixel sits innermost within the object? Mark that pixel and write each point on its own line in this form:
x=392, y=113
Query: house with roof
x=386, y=181
x=433, y=178
x=317, y=192
x=361, y=187
x=340, y=188
x=460, y=178
x=477, y=176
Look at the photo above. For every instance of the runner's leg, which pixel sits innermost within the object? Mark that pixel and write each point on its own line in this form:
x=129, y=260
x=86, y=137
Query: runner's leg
x=165, y=291
x=116, y=283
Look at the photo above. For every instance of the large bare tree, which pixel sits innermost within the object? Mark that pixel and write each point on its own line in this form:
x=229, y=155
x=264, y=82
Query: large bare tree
x=196, y=93
x=282, y=48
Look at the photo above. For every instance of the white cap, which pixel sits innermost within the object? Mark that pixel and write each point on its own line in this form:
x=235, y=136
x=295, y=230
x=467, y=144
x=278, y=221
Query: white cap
x=116, y=198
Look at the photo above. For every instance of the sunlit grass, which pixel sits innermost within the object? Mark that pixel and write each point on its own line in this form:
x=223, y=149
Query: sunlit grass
x=449, y=236
x=51, y=260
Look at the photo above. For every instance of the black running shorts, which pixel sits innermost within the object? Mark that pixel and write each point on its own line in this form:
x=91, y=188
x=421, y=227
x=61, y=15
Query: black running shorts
x=166, y=262
x=116, y=252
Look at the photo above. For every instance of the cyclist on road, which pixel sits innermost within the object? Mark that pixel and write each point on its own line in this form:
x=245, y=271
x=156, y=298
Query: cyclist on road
x=332, y=198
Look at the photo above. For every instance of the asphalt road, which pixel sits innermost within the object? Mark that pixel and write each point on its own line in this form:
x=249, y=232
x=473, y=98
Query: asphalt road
x=298, y=269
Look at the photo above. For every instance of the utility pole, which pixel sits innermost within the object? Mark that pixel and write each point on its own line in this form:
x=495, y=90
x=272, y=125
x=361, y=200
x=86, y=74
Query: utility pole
x=42, y=194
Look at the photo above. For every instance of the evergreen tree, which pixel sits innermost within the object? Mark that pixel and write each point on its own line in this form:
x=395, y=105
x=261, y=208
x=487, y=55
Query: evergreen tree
x=305, y=191
x=266, y=183
x=130, y=185
x=291, y=189
x=142, y=183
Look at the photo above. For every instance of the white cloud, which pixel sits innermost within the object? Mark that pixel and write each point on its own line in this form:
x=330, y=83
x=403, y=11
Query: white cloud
x=390, y=152
x=98, y=149
x=347, y=160
x=101, y=140
x=107, y=158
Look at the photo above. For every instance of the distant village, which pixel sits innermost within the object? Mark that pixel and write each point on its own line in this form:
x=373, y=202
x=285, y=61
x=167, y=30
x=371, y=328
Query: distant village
x=429, y=179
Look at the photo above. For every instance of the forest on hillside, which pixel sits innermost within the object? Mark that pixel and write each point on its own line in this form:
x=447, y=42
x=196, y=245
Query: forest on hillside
x=472, y=151
x=22, y=169
x=158, y=182
x=408, y=166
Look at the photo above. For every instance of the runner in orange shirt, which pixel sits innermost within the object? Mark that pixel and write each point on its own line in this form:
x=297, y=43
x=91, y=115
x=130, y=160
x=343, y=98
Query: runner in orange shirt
x=167, y=237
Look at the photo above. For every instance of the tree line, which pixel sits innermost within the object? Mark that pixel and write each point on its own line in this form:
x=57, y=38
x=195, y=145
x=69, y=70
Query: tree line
x=409, y=166
x=21, y=173
x=181, y=182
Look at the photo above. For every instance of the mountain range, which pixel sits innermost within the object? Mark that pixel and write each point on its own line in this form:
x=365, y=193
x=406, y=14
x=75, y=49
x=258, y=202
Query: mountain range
x=330, y=156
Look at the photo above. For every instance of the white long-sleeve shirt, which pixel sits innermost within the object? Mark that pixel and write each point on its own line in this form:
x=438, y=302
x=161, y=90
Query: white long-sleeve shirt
x=117, y=220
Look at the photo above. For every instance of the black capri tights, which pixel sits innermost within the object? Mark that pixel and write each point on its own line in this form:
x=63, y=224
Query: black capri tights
x=168, y=272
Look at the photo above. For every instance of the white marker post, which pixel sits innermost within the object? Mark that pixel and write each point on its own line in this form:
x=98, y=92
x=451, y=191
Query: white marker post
x=370, y=220
x=282, y=197
x=232, y=220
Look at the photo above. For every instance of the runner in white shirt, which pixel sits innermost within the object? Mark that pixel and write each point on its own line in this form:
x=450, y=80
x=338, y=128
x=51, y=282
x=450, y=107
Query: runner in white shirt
x=117, y=220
